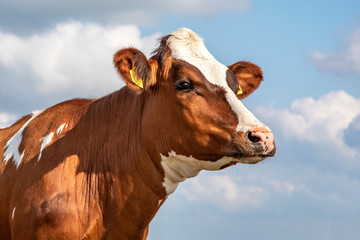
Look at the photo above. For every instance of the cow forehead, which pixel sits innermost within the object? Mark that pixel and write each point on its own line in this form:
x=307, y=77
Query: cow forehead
x=188, y=46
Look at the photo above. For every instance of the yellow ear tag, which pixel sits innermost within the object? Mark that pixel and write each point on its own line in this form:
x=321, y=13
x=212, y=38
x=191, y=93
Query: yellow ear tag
x=239, y=91
x=138, y=81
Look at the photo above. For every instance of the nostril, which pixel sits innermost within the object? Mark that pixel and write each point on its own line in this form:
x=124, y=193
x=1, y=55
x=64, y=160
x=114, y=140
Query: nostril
x=253, y=138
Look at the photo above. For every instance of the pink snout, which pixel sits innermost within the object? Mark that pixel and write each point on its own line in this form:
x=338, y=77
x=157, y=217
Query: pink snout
x=262, y=136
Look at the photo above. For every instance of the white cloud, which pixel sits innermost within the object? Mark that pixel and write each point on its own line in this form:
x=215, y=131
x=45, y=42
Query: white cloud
x=33, y=15
x=352, y=134
x=208, y=7
x=272, y=188
x=72, y=58
x=346, y=59
x=6, y=119
x=111, y=8
x=254, y=190
x=282, y=186
x=321, y=122
x=224, y=192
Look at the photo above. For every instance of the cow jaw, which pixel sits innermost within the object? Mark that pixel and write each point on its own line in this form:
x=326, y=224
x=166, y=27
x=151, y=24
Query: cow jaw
x=178, y=167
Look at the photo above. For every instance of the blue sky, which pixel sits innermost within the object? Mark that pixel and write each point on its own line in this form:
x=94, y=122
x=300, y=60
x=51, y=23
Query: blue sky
x=310, y=55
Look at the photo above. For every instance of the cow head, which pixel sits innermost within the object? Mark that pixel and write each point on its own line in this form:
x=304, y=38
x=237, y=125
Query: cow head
x=192, y=113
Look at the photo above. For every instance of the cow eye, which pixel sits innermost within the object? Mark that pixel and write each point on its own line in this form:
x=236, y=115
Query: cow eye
x=184, y=86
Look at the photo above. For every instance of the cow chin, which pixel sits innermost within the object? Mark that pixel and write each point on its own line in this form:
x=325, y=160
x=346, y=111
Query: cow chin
x=248, y=157
x=249, y=160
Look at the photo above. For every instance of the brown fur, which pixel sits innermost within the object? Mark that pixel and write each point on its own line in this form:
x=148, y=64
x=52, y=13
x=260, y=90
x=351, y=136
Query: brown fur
x=249, y=76
x=101, y=177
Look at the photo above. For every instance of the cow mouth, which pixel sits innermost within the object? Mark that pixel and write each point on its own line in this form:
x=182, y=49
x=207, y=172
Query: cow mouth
x=245, y=160
x=249, y=159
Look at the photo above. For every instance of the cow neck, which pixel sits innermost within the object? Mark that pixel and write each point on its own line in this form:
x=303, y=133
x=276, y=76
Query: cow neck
x=131, y=179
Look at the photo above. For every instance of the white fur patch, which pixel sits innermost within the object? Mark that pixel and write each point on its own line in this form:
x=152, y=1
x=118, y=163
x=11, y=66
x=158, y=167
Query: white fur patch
x=12, y=146
x=177, y=168
x=48, y=138
x=13, y=213
x=45, y=141
x=61, y=128
x=188, y=46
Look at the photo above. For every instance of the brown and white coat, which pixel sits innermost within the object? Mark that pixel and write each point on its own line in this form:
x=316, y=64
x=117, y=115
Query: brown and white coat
x=101, y=168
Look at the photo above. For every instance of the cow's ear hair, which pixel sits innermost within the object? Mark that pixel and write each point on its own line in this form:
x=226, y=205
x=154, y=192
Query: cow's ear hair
x=134, y=68
x=249, y=76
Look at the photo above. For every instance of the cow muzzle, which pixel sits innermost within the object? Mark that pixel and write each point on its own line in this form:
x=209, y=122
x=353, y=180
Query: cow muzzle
x=262, y=140
x=253, y=146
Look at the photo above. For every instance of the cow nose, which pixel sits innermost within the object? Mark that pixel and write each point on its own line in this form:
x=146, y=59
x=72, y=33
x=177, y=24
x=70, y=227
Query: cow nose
x=262, y=136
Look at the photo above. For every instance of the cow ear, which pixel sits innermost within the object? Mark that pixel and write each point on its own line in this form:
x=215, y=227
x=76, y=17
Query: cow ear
x=134, y=68
x=249, y=76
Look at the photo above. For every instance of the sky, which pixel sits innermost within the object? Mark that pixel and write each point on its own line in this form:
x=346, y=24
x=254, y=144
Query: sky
x=309, y=51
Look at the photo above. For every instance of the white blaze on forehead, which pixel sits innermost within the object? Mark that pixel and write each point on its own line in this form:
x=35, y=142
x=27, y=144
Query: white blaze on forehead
x=12, y=146
x=188, y=46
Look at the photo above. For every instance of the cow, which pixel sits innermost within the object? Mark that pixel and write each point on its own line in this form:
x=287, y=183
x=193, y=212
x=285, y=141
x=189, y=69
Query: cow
x=101, y=168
